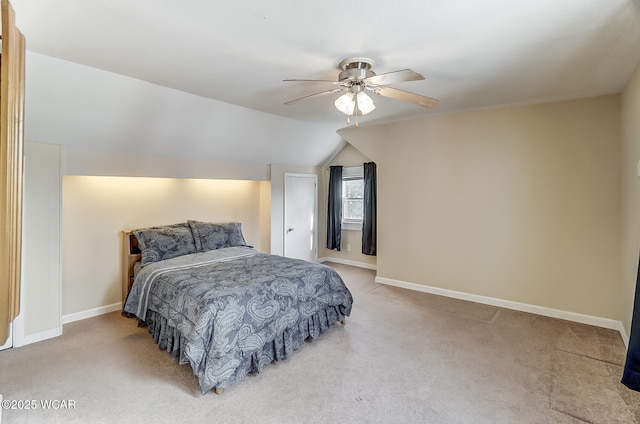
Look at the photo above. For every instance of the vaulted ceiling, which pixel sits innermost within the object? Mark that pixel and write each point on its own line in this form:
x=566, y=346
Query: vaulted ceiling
x=473, y=54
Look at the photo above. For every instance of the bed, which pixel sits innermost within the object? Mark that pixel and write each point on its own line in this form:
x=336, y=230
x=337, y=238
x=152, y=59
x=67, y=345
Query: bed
x=221, y=306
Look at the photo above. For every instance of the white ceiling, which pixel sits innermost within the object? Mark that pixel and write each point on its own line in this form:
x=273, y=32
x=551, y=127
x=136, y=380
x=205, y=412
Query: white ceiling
x=474, y=54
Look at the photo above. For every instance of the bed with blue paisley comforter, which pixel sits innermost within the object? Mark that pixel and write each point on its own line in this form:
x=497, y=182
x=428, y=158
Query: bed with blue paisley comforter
x=232, y=310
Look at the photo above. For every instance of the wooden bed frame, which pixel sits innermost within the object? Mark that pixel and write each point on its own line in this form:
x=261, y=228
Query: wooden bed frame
x=130, y=255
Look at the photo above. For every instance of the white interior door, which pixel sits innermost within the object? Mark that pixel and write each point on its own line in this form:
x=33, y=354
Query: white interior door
x=300, y=219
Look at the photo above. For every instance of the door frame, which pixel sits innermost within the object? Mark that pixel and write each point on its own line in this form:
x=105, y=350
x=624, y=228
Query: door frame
x=315, y=214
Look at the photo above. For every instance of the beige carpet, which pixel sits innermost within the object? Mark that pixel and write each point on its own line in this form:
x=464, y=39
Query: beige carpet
x=403, y=357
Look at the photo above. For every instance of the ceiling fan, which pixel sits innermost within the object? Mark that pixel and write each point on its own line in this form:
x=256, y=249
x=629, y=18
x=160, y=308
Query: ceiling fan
x=357, y=77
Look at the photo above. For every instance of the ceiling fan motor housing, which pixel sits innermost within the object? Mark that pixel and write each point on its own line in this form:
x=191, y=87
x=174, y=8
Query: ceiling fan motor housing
x=355, y=69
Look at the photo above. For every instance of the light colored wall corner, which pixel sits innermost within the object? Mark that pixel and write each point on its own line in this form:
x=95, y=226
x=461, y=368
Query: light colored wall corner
x=624, y=334
x=97, y=209
x=265, y=217
x=277, y=201
x=630, y=196
x=40, y=308
x=520, y=204
x=348, y=156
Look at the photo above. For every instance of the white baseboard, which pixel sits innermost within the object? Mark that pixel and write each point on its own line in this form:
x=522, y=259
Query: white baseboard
x=507, y=304
x=90, y=313
x=348, y=262
x=19, y=340
x=37, y=337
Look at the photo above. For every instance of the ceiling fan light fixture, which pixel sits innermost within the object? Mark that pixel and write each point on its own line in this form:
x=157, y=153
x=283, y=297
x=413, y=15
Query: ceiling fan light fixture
x=365, y=103
x=347, y=103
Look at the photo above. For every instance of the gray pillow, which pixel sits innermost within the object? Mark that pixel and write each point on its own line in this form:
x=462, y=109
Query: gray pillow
x=165, y=242
x=211, y=236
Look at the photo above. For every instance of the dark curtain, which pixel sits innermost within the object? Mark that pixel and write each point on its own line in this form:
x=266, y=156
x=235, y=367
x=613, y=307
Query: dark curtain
x=631, y=375
x=369, y=227
x=334, y=216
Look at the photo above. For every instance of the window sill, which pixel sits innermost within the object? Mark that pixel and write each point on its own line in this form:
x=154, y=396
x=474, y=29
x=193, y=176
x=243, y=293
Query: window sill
x=352, y=225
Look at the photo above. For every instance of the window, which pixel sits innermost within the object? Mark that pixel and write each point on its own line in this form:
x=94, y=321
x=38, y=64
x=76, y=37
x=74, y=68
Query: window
x=352, y=197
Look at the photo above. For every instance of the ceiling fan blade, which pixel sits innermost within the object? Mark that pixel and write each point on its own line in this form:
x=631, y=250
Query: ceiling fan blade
x=322, y=93
x=402, y=75
x=310, y=80
x=406, y=96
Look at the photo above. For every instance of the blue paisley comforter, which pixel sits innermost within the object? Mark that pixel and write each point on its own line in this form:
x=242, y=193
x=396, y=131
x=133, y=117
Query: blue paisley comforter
x=228, y=312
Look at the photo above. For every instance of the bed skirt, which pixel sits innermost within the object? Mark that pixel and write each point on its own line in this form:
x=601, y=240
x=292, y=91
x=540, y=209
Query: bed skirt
x=281, y=347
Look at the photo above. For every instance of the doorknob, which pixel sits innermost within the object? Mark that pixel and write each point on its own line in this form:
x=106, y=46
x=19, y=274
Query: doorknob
x=289, y=230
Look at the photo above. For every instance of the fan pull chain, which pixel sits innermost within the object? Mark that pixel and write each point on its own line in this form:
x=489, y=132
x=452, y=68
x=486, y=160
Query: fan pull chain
x=355, y=110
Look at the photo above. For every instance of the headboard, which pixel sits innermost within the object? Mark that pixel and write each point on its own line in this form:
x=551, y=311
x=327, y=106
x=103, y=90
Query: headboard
x=130, y=255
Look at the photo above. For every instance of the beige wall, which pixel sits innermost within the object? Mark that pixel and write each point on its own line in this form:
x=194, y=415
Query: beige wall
x=348, y=156
x=520, y=204
x=96, y=209
x=630, y=183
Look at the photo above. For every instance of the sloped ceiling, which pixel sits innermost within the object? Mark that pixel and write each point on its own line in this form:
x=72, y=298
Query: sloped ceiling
x=222, y=65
